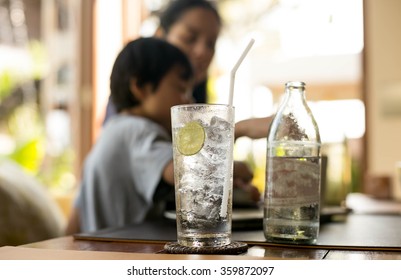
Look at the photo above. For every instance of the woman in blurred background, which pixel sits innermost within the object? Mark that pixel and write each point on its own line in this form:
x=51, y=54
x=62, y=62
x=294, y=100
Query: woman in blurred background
x=193, y=26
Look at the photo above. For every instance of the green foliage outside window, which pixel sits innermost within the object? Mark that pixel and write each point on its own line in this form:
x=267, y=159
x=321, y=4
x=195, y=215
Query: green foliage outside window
x=22, y=127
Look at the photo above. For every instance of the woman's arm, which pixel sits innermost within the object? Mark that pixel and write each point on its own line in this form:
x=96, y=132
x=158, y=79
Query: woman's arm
x=254, y=128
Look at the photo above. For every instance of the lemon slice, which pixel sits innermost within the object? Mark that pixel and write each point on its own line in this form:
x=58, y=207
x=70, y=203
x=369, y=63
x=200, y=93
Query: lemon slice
x=190, y=138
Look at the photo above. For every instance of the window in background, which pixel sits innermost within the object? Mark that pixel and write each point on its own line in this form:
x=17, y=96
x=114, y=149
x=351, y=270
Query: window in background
x=37, y=80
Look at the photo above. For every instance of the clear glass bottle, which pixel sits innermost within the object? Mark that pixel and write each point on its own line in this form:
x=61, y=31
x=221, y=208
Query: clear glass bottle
x=293, y=170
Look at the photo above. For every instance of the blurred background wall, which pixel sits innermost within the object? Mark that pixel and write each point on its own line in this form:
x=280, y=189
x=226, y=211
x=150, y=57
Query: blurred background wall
x=382, y=78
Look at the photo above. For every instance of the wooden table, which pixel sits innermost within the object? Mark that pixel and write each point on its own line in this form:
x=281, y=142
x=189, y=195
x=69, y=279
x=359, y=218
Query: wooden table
x=139, y=249
x=69, y=247
x=362, y=236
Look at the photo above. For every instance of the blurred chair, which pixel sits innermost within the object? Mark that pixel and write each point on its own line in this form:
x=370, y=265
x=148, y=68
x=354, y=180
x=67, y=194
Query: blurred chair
x=27, y=212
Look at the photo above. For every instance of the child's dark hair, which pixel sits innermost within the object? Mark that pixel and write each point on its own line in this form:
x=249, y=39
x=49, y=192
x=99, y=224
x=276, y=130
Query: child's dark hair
x=147, y=60
x=178, y=7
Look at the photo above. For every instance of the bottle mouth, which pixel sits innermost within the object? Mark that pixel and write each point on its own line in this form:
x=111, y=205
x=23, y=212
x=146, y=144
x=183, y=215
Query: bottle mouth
x=295, y=84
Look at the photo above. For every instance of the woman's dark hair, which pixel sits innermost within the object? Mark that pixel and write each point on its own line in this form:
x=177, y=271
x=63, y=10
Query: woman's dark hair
x=147, y=60
x=178, y=7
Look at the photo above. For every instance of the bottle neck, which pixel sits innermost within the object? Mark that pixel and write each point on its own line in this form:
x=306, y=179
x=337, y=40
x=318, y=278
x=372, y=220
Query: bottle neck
x=294, y=121
x=295, y=95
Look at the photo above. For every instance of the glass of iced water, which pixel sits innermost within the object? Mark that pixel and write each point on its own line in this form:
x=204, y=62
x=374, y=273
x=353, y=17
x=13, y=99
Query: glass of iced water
x=203, y=137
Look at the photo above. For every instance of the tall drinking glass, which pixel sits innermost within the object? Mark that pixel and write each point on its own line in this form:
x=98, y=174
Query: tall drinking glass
x=203, y=137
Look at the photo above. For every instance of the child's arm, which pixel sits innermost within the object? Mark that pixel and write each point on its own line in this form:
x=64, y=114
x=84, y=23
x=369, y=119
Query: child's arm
x=242, y=178
x=254, y=128
x=168, y=173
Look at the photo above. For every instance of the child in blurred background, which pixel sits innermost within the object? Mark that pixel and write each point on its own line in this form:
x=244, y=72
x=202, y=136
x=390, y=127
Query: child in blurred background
x=129, y=172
